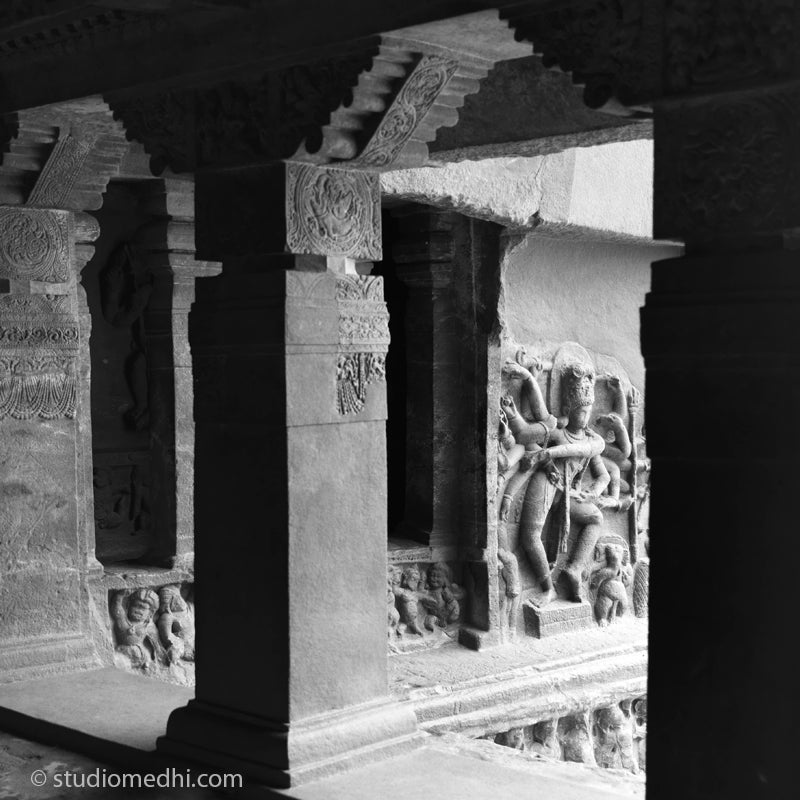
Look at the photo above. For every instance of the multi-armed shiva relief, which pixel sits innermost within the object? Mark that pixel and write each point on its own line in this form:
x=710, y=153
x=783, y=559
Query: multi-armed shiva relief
x=154, y=632
x=423, y=604
x=572, y=491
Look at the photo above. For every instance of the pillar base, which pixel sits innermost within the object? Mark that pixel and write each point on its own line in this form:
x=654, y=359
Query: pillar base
x=283, y=755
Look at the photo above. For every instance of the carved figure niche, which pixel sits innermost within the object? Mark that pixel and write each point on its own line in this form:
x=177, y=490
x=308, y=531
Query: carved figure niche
x=153, y=631
x=424, y=605
x=572, y=490
x=119, y=288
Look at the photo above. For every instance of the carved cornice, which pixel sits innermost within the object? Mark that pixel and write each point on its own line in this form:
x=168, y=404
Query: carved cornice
x=243, y=121
x=374, y=109
x=638, y=51
x=728, y=165
x=88, y=26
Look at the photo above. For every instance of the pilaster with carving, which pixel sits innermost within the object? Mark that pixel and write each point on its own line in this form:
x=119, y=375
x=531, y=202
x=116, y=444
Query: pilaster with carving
x=55, y=167
x=43, y=414
x=363, y=339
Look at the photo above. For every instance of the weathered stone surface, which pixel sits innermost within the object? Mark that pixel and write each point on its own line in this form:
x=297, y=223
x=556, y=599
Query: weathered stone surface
x=602, y=192
x=558, y=617
x=47, y=543
x=265, y=349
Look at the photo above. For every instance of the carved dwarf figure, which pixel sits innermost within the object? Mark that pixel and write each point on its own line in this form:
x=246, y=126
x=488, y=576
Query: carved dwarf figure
x=617, y=452
x=134, y=631
x=639, y=711
x=610, y=582
x=442, y=599
x=407, y=594
x=614, y=740
x=545, y=739
x=560, y=467
x=513, y=738
x=392, y=614
x=176, y=625
x=573, y=734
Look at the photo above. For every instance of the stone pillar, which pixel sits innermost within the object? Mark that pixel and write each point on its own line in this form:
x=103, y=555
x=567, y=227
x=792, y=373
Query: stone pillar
x=168, y=245
x=423, y=259
x=46, y=527
x=450, y=266
x=721, y=340
x=290, y=482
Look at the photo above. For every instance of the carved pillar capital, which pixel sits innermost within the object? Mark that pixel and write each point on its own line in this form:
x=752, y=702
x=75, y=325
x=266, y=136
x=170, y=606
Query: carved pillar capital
x=288, y=208
x=40, y=335
x=333, y=212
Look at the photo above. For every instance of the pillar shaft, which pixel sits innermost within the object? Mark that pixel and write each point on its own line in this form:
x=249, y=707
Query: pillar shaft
x=46, y=536
x=720, y=340
x=290, y=510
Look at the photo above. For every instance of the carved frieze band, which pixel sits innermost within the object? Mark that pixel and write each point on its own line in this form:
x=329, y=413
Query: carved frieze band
x=363, y=339
x=333, y=212
x=410, y=106
x=39, y=333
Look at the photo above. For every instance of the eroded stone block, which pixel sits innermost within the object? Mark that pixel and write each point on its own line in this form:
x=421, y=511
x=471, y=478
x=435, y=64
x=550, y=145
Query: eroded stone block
x=560, y=616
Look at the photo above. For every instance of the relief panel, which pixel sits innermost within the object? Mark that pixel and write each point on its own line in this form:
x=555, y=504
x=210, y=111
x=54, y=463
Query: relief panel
x=424, y=605
x=572, y=491
x=153, y=631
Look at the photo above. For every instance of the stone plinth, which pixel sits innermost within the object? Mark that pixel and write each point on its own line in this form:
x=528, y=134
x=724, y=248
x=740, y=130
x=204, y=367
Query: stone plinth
x=560, y=616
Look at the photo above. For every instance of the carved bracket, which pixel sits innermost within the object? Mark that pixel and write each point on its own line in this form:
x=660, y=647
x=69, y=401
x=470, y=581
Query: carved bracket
x=373, y=109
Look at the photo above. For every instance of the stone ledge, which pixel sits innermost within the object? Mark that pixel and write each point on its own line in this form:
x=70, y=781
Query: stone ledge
x=460, y=691
x=135, y=576
x=460, y=768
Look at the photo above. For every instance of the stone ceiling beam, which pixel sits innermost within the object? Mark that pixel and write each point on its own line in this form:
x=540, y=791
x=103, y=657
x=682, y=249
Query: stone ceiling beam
x=598, y=193
x=100, y=49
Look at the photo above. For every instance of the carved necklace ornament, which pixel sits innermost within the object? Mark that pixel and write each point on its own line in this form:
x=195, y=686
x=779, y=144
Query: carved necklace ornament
x=332, y=212
x=363, y=339
x=37, y=386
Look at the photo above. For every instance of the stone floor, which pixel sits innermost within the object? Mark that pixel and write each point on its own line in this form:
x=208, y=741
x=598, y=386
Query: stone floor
x=446, y=767
x=23, y=761
x=106, y=704
x=116, y=717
